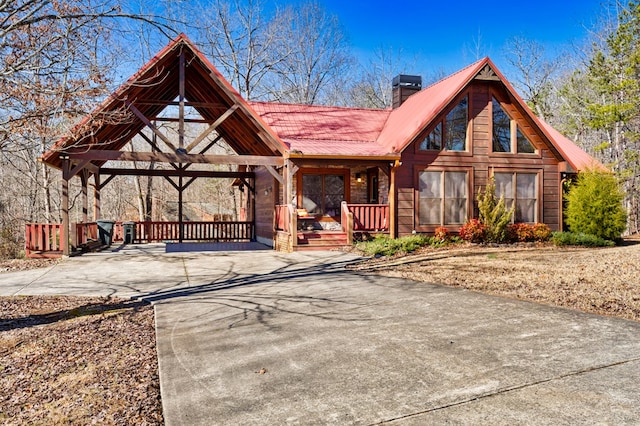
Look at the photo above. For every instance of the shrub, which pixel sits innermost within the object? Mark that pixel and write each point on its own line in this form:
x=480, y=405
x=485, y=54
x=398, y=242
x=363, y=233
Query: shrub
x=493, y=213
x=441, y=234
x=524, y=232
x=385, y=246
x=594, y=206
x=541, y=232
x=520, y=232
x=473, y=231
x=579, y=239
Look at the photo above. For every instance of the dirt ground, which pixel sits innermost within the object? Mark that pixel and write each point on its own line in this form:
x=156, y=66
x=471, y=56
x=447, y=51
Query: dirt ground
x=599, y=280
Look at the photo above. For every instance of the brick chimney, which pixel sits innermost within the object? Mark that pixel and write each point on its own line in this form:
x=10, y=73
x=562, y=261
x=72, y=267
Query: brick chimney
x=404, y=86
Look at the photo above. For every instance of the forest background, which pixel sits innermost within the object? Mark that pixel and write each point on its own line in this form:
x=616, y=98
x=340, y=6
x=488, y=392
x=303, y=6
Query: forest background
x=60, y=58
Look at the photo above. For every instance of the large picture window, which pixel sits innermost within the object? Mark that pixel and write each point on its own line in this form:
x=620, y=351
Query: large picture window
x=442, y=198
x=449, y=133
x=322, y=194
x=507, y=136
x=521, y=189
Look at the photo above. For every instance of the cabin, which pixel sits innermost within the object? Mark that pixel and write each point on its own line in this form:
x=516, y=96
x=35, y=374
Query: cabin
x=316, y=175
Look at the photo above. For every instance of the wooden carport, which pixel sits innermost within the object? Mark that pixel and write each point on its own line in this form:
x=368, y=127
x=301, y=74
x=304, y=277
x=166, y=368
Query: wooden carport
x=177, y=79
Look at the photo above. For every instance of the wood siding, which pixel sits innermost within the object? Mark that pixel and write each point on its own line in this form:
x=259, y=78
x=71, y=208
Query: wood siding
x=480, y=161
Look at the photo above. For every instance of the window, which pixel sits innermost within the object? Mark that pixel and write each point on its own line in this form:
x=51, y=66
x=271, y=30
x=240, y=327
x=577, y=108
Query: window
x=442, y=198
x=507, y=136
x=323, y=193
x=522, y=189
x=451, y=132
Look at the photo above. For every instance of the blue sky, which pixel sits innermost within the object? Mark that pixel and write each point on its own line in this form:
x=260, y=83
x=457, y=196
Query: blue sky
x=443, y=34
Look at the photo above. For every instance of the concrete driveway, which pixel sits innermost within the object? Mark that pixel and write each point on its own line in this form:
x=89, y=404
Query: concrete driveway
x=260, y=337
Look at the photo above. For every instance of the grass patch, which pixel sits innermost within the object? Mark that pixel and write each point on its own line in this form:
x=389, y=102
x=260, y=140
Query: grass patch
x=579, y=239
x=382, y=245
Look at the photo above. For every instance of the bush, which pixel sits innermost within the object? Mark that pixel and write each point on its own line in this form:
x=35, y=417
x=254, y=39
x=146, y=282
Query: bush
x=579, y=239
x=541, y=232
x=385, y=246
x=594, y=206
x=473, y=231
x=524, y=232
x=494, y=214
x=441, y=234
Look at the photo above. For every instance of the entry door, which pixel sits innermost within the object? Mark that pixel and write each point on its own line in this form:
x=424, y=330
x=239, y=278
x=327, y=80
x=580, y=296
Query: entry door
x=373, y=187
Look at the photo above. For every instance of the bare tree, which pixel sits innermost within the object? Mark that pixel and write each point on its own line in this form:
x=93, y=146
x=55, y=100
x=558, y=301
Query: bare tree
x=535, y=73
x=319, y=55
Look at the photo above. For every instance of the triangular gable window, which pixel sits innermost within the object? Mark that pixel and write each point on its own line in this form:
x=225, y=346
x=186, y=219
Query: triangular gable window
x=507, y=136
x=454, y=136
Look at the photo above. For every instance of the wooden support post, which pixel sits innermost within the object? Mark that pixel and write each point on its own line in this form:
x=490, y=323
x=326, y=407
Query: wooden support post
x=64, y=233
x=84, y=178
x=181, y=93
x=96, y=197
x=393, y=201
x=180, y=229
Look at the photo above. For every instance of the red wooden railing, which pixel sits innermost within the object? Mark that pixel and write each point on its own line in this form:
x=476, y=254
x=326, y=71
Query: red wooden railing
x=43, y=240
x=283, y=217
x=194, y=231
x=147, y=232
x=370, y=217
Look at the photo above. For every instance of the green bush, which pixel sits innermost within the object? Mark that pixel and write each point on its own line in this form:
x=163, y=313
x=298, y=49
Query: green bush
x=494, y=214
x=385, y=246
x=579, y=239
x=594, y=206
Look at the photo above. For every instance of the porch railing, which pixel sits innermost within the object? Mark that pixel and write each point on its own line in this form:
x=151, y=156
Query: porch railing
x=370, y=217
x=284, y=217
x=194, y=231
x=43, y=240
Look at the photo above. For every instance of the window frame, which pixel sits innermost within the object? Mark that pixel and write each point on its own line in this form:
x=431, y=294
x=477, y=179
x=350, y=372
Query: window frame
x=442, y=121
x=345, y=173
x=469, y=197
x=514, y=127
x=539, y=182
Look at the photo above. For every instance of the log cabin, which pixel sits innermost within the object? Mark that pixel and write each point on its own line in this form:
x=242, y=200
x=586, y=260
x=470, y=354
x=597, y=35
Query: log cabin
x=318, y=174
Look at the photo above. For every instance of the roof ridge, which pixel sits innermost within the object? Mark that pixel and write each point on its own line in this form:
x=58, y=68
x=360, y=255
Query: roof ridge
x=461, y=70
x=320, y=106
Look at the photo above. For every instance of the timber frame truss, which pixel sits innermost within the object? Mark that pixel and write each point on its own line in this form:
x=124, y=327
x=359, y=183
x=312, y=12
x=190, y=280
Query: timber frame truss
x=178, y=78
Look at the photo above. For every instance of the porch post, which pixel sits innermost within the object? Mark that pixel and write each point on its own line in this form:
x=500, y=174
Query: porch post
x=393, y=210
x=180, y=230
x=84, y=179
x=64, y=233
x=96, y=197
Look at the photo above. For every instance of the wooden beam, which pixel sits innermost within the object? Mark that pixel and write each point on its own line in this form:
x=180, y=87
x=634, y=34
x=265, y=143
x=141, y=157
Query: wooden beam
x=181, y=82
x=168, y=157
x=106, y=181
x=176, y=173
x=211, y=128
x=77, y=168
x=150, y=125
x=275, y=174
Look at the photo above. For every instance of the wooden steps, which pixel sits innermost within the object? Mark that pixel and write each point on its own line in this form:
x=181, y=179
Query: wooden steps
x=320, y=240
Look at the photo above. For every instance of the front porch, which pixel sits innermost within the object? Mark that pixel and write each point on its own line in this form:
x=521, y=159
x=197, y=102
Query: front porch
x=294, y=230
x=291, y=231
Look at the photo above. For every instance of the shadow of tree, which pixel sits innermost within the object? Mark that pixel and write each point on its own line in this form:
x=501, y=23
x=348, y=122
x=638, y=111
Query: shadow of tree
x=109, y=306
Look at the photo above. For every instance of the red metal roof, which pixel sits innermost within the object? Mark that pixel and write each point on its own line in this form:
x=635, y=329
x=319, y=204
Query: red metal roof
x=325, y=130
x=407, y=121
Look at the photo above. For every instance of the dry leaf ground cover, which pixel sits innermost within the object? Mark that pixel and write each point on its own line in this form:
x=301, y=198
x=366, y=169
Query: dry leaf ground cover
x=78, y=361
x=598, y=280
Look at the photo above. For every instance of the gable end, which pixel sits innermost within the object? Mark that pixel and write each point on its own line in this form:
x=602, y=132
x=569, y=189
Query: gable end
x=487, y=74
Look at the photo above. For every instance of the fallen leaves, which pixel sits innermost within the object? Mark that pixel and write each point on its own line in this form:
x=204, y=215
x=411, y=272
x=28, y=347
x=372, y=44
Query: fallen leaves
x=66, y=360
